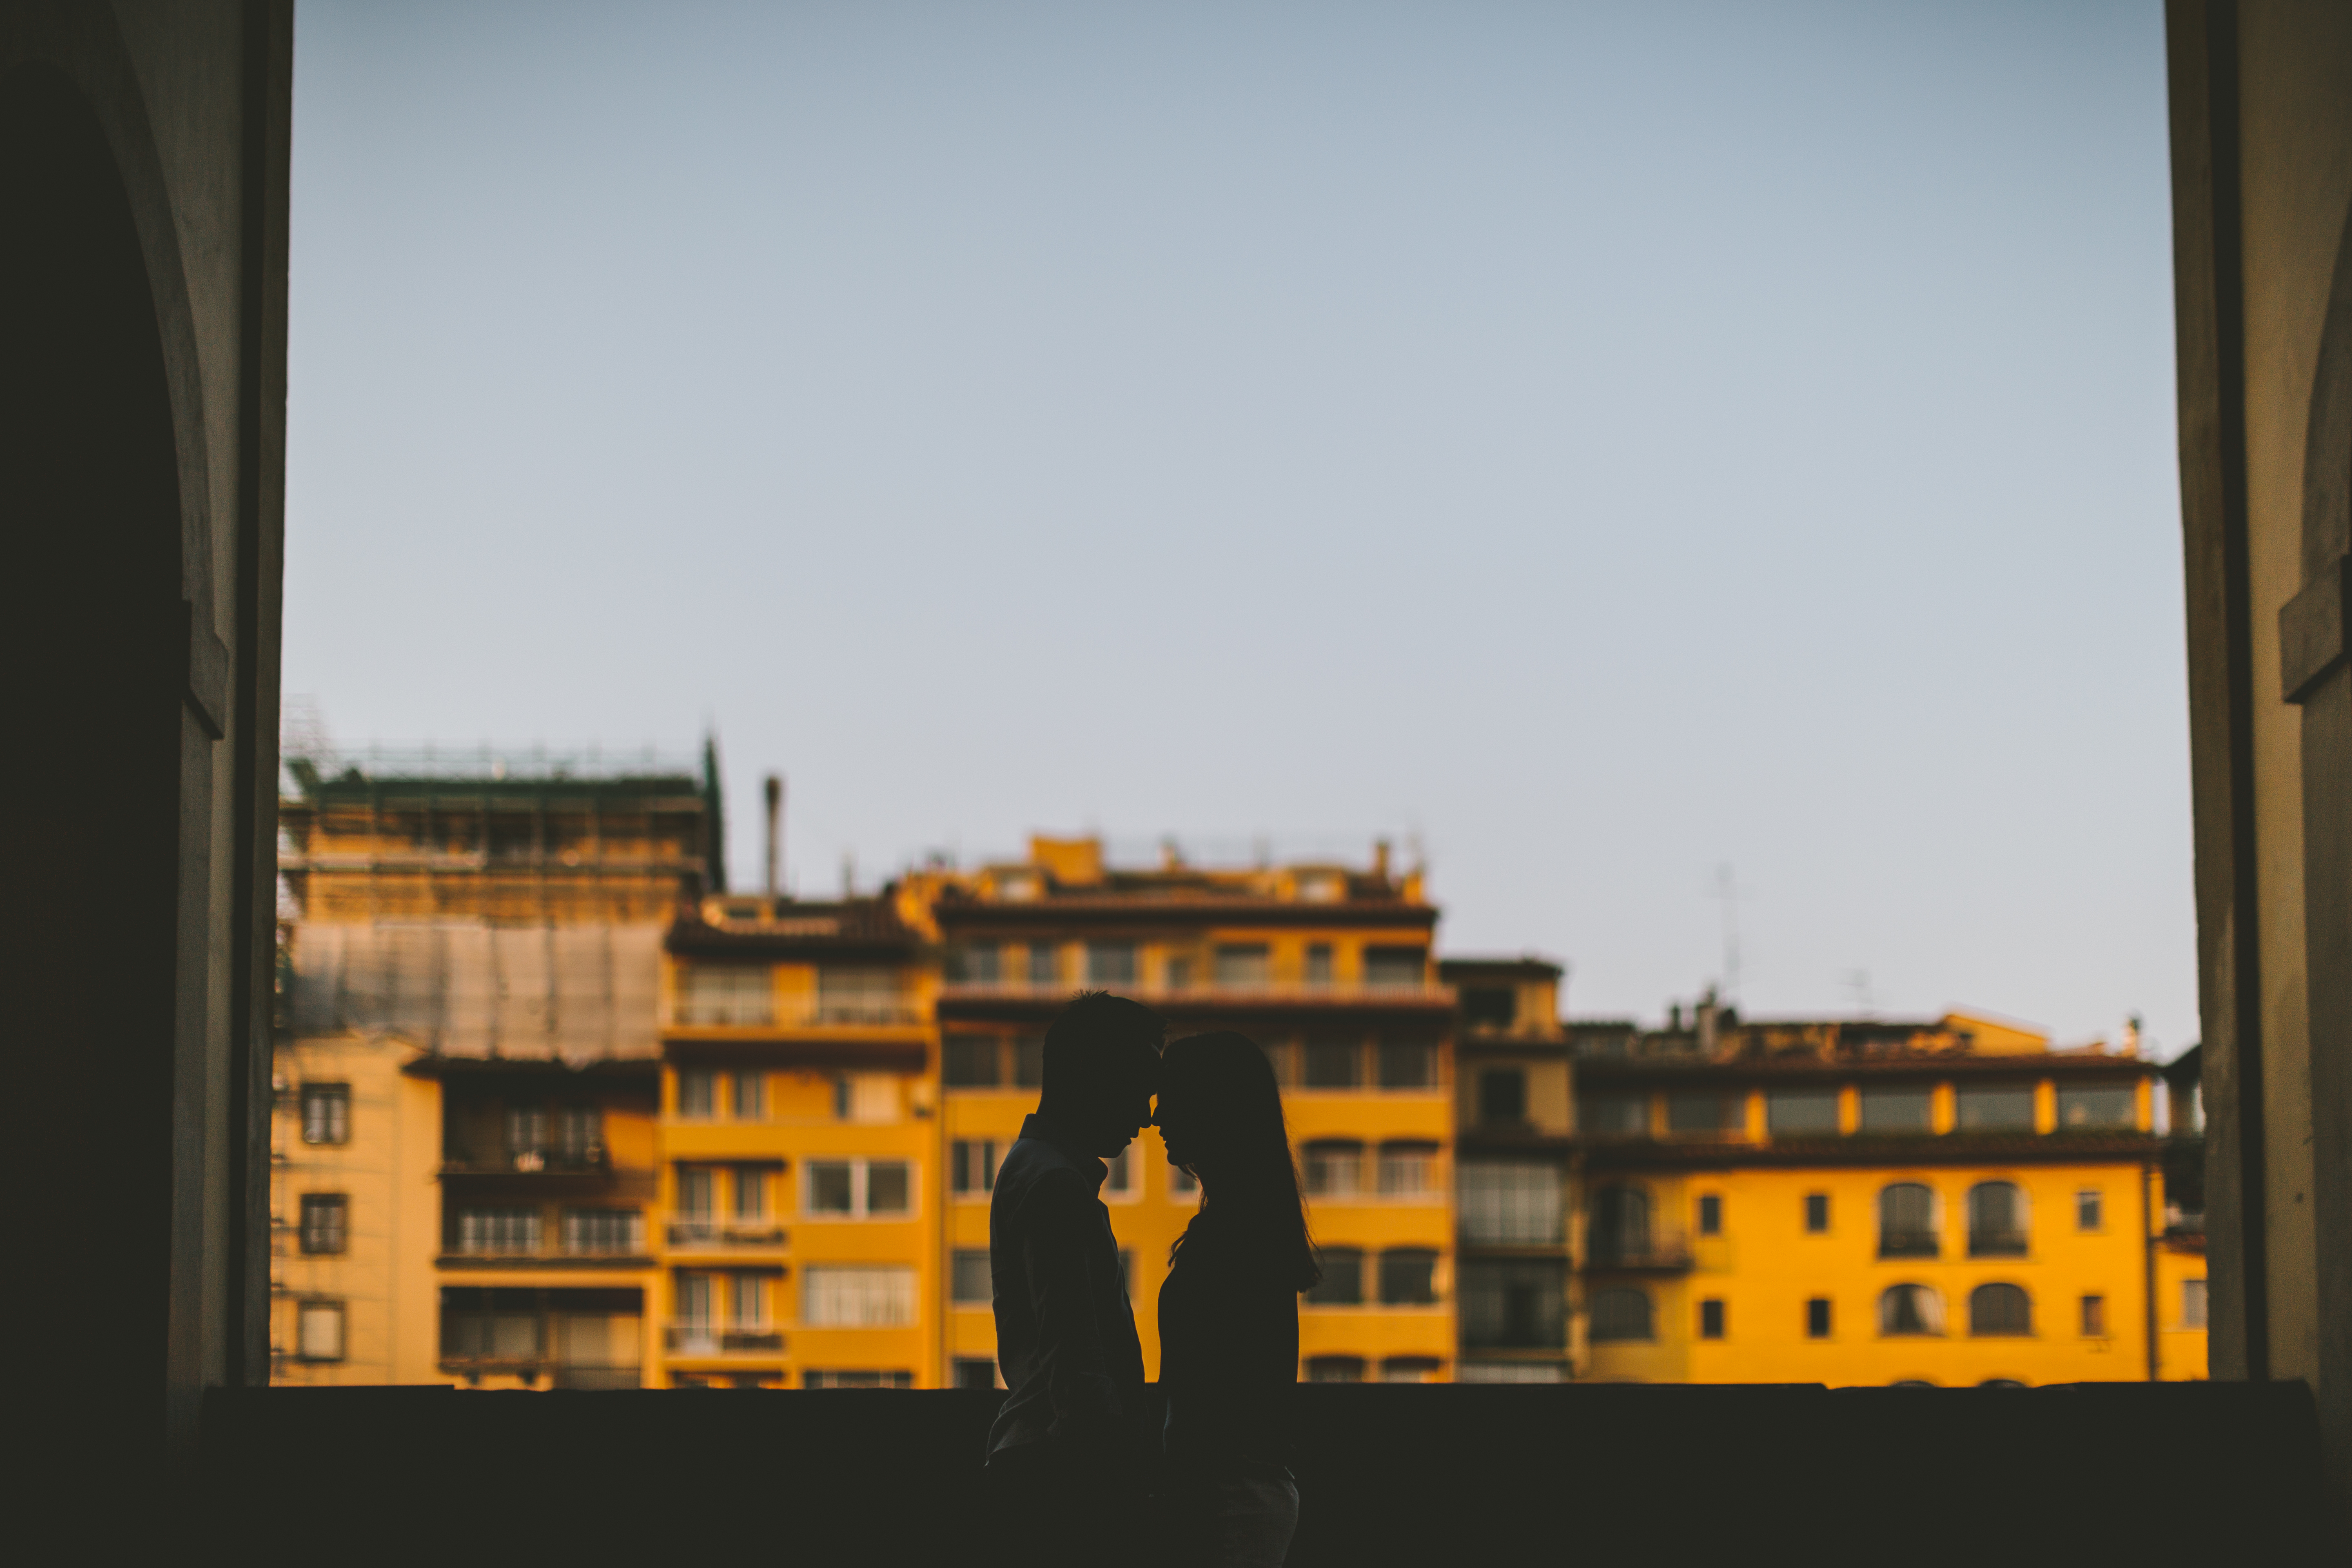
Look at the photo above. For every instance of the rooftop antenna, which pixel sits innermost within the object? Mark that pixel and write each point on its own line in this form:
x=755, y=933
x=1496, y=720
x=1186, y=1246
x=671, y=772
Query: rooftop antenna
x=774, y=786
x=1866, y=1001
x=1729, y=892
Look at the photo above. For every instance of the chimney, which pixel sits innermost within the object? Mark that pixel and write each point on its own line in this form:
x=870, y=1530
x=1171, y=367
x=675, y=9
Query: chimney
x=775, y=789
x=1380, y=859
x=1708, y=1011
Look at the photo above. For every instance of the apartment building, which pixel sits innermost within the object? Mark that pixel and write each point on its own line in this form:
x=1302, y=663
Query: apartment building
x=1327, y=967
x=1939, y=1201
x=1515, y=1143
x=467, y=1064
x=800, y=1194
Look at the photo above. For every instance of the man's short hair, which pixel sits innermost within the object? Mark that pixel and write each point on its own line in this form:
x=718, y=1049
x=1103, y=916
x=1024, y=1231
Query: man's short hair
x=1093, y=1045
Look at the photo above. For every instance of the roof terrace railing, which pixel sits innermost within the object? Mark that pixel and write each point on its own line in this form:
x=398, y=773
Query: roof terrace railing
x=1416, y=991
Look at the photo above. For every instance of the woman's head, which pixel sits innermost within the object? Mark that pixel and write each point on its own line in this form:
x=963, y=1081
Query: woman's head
x=1220, y=1113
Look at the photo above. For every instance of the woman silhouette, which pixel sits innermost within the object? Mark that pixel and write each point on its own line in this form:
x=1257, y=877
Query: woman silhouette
x=1229, y=1309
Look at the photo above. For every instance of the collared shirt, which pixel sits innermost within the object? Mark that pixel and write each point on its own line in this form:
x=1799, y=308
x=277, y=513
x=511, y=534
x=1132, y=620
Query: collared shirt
x=1064, y=1331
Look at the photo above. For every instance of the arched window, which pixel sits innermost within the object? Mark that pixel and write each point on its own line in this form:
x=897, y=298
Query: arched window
x=1999, y=1309
x=1621, y=1314
x=1996, y=1220
x=1907, y=1221
x=1910, y=1309
x=1620, y=1225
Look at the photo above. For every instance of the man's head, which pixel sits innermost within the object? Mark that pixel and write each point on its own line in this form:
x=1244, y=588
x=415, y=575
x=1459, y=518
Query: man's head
x=1100, y=1058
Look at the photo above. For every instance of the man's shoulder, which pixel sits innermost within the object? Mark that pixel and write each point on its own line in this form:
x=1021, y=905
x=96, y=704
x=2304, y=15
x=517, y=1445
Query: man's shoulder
x=1034, y=1173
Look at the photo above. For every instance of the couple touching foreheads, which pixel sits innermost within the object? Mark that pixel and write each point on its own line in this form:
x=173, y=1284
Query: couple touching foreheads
x=1071, y=1480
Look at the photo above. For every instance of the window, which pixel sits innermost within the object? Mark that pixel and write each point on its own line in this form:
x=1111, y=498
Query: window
x=750, y=1192
x=1996, y=1220
x=1996, y=1108
x=973, y=1285
x=1817, y=1213
x=1999, y=1309
x=1907, y=1221
x=1028, y=1061
x=751, y=1097
x=527, y=1136
x=327, y=1113
x=828, y=1379
x=1408, y=1277
x=1513, y=1303
x=489, y=1325
x=580, y=1136
x=1789, y=1112
x=693, y=1304
x=1335, y=1369
x=324, y=1222
x=2094, y=1316
x=2090, y=1209
x=1342, y=1284
x=2192, y=1303
x=1395, y=968
x=1620, y=1231
x=697, y=1093
x=318, y=1330
x=1110, y=964
x=1910, y=1309
x=1897, y=1110
x=1044, y=966
x=983, y=963
x=858, y=995
x=1180, y=973
x=971, y=1062
x=603, y=1233
x=1335, y=1168
x=727, y=994
x=747, y=1300
x=1703, y=1111
x=1710, y=1318
x=975, y=1371
x=1710, y=1213
x=973, y=1167
x=1282, y=1056
x=1331, y=1064
x=1507, y=1203
x=696, y=1193
x=1181, y=1183
x=2089, y=1107
x=1621, y=1314
x=869, y=1097
x=1503, y=1096
x=1410, y=1369
x=1407, y=1170
x=857, y=1296
x=856, y=1188
x=1613, y=1115
x=1241, y=965
x=512, y=1233
x=1406, y=1064
x=1817, y=1318
x=1490, y=1006
x=1118, y=1174
x=1318, y=963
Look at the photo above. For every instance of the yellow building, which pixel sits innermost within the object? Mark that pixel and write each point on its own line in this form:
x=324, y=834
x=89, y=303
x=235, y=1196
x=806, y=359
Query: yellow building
x=468, y=1066
x=801, y=1191
x=1512, y=1178
x=1946, y=1203
x=1327, y=967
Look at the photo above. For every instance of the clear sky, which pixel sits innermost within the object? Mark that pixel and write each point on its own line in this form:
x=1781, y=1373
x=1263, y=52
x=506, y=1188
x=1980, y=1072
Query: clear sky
x=1604, y=444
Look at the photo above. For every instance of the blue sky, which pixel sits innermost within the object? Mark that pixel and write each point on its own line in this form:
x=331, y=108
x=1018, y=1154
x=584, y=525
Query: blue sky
x=1600, y=445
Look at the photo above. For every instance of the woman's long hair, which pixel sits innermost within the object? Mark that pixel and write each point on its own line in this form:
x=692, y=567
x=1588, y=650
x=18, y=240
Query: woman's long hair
x=1255, y=1203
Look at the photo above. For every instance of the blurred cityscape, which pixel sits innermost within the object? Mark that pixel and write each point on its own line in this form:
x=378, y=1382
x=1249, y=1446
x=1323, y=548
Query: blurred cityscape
x=557, y=1107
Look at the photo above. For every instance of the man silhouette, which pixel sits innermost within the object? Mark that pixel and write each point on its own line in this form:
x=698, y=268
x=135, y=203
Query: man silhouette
x=1064, y=1459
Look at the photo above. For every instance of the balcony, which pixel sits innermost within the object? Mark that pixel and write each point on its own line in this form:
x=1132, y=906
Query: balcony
x=688, y=1234
x=892, y=1008
x=1639, y=1253
x=1909, y=1243
x=1220, y=993
x=710, y=1339
x=1993, y=1243
x=595, y=1159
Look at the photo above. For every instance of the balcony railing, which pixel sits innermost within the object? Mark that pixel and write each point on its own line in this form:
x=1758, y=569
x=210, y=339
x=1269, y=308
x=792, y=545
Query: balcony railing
x=1996, y=1244
x=1654, y=1254
x=1418, y=991
x=593, y=1160
x=899, y=1008
x=713, y=1233
x=1908, y=1243
x=712, y=1339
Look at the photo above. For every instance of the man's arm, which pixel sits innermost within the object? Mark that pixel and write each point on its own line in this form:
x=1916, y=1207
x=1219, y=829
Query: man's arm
x=1059, y=1234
